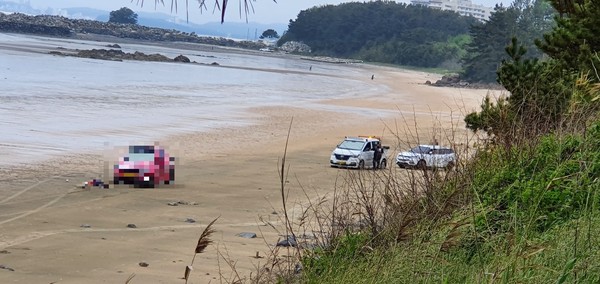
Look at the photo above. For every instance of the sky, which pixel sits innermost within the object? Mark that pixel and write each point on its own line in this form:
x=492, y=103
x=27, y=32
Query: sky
x=265, y=11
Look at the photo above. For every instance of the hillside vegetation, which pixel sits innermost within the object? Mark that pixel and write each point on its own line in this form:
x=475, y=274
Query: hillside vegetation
x=521, y=206
x=382, y=31
x=414, y=35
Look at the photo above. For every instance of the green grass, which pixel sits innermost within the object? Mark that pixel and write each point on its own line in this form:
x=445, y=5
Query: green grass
x=568, y=252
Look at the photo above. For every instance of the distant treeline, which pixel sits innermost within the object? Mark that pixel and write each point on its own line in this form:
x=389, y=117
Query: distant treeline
x=383, y=31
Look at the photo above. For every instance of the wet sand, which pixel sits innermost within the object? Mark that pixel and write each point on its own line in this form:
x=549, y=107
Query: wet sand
x=230, y=173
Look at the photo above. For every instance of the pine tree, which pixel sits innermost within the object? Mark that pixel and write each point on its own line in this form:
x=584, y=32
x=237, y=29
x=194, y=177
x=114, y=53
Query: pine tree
x=487, y=46
x=575, y=41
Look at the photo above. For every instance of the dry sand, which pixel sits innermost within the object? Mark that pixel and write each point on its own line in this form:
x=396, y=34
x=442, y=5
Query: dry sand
x=230, y=173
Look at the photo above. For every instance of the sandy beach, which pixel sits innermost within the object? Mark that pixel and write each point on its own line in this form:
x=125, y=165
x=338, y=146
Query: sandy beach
x=230, y=172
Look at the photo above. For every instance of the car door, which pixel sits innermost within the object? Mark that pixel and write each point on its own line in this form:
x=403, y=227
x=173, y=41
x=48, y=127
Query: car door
x=439, y=158
x=448, y=157
x=431, y=157
x=368, y=154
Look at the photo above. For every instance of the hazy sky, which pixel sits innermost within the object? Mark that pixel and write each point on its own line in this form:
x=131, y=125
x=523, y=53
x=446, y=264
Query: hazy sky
x=265, y=11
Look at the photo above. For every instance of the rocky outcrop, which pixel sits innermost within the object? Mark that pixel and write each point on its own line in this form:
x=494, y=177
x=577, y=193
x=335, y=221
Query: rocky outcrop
x=332, y=59
x=118, y=55
x=450, y=81
x=455, y=81
x=182, y=58
x=294, y=46
x=13, y=27
x=65, y=27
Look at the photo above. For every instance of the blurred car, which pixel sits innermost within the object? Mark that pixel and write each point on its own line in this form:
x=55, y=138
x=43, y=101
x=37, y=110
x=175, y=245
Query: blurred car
x=427, y=156
x=145, y=166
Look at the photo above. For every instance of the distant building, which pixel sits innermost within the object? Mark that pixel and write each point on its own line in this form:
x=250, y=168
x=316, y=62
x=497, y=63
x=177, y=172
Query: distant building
x=463, y=7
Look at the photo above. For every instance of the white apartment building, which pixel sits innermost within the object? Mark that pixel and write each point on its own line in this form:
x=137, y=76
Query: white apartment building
x=463, y=7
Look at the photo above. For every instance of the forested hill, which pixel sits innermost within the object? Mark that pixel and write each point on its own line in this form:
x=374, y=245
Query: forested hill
x=383, y=31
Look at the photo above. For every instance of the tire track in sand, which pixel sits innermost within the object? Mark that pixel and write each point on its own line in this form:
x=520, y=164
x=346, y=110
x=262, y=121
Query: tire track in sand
x=26, y=189
x=27, y=213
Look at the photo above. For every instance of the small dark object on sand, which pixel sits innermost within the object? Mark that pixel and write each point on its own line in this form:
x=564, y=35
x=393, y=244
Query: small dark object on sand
x=6, y=267
x=290, y=241
x=143, y=264
x=95, y=182
x=247, y=235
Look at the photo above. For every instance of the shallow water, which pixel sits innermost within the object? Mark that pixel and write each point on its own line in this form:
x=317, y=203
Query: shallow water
x=50, y=105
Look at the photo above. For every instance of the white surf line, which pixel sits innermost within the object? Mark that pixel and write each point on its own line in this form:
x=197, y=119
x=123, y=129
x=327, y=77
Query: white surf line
x=26, y=189
x=38, y=235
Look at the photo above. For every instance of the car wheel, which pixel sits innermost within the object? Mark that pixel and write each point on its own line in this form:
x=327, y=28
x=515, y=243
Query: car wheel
x=421, y=165
x=361, y=165
x=450, y=165
x=147, y=184
x=383, y=164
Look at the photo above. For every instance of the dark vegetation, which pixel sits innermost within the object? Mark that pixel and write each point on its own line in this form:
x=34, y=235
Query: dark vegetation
x=382, y=31
x=269, y=33
x=525, y=19
x=123, y=16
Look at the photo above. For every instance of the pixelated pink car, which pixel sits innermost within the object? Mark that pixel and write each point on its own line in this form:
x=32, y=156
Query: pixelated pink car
x=145, y=166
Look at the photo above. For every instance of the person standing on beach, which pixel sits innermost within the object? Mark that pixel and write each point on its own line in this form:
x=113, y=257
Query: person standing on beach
x=377, y=156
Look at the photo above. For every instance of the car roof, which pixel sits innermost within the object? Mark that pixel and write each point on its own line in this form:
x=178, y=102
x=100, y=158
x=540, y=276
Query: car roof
x=362, y=138
x=434, y=146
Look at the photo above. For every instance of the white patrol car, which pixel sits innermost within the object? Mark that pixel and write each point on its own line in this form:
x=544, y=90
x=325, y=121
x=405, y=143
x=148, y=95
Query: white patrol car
x=358, y=153
x=427, y=156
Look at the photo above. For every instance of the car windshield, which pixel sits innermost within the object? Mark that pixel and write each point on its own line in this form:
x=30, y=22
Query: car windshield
x=420, y=150
x=141, y=149
x=351, y=145
x=141, y=157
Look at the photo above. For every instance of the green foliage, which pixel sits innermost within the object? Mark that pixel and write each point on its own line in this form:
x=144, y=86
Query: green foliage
x=525, y=19
x=545, y=94
x=487, y=48
x=538, y=188
x=325, y=263
x=575, y=41
x=269, y=33
x=540, y=91
x=566, y=254
x=382, y=31
x=123, y=16
x=491, y=117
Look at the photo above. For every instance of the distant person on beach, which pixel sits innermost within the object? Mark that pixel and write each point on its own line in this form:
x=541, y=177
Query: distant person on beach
x=372, y=76
x=310, y=68
x=377, y=156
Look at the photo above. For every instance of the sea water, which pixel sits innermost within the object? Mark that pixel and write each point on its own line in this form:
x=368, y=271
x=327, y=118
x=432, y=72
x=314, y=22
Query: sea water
x=50, y=105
